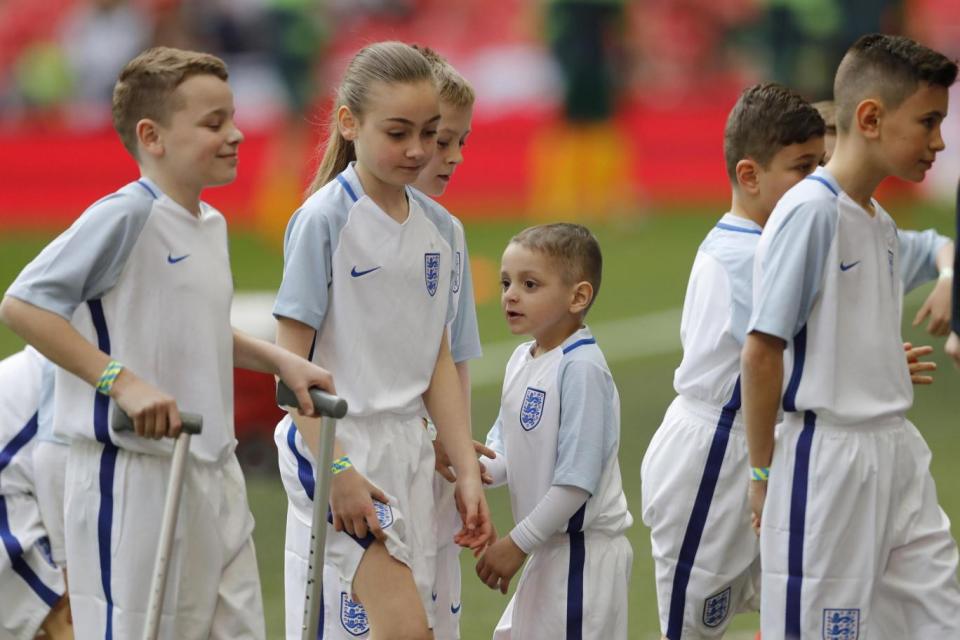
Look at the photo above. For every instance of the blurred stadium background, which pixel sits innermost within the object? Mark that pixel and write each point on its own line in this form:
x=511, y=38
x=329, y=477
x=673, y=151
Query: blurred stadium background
x=604, y=111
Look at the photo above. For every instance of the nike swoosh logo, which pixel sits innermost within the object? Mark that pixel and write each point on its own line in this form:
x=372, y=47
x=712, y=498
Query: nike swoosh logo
x=455, y=609
x=847, y=267
x=434, y=596
x=173, y=260
x=357, y=274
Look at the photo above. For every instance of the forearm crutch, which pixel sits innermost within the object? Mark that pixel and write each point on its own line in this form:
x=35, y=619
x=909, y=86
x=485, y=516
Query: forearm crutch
x=331, y=408
x=192, y=425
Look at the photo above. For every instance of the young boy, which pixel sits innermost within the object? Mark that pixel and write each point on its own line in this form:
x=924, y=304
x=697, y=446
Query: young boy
x=556, y=440
x=143, y=278
x=32, y=586
x=852, y=525
x=773, y=139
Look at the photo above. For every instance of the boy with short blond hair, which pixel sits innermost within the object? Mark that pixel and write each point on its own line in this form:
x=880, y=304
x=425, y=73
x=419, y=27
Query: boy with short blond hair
x=556, y=440
x=852, y=525
x=132, y=303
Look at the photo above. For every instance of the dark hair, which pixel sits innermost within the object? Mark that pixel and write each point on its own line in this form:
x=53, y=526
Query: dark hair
x=766, y=118
x=146, y=85
x=389, y=62
x=889, y=68
x=575, y=250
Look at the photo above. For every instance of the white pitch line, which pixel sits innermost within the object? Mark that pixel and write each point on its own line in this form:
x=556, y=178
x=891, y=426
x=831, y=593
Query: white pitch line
x=649, y=334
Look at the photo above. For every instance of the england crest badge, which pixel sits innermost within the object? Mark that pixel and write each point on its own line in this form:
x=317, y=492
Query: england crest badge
x=431, y=271
x=384, y=514
x=353, y=616
x=716, y=608
x=841, y=624
x=455, y=285
x=532, y=408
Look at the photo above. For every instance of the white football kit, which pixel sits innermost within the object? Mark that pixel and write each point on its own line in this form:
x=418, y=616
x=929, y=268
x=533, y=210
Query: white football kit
x=149, y=283
x=30, y=582
x=349, y=268
x=851, y=522
x=559, y=425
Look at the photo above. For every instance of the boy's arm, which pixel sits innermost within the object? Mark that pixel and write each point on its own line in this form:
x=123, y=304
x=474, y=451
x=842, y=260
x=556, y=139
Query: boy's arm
x=445, y=403
x=761, y=367
x=923, y=257
x=154, y=412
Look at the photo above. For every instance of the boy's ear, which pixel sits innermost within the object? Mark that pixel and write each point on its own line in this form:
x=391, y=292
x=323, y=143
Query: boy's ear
x=867, y=116
x=347, y=123
x=582, y=297
x=748, y=175
x=148, y=137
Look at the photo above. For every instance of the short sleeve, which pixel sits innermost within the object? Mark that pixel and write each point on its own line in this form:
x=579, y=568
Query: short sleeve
x=307, y=269
x=918, y=256
x=789, y=273
x=588, y=424
x=86, y=260
x=464, y=334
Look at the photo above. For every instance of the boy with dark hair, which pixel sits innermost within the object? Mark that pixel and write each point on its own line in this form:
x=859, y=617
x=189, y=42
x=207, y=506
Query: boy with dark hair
x=556, y=439
x=132, y=303
x=852, y=525
x=772, y=140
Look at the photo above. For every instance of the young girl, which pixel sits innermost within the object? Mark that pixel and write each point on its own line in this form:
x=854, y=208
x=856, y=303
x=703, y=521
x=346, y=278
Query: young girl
x=456, y=112
x=366, y=290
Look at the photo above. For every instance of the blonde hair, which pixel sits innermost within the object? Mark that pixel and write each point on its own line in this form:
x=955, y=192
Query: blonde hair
x=574, y=248
x=454, y=88
x=389, y=62
x=145, y=87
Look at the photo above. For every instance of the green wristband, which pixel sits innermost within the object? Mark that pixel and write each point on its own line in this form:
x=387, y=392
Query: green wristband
x=108, y=377
x=340, y=465
x=761, y=474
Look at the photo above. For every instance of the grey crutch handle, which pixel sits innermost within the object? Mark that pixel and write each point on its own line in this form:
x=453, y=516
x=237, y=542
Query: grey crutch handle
x=192, y=422
x=325, y=404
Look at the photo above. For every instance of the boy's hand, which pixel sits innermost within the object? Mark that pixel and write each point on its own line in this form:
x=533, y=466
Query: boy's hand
x=953, y=348
x=300, y=374
x=758, y=495
x=918, y=368
x=937, y=307
x=58, y=624
x=154, y=413
x=351, y=503
x=444, y=466
x=499, y=563
x=477, y=531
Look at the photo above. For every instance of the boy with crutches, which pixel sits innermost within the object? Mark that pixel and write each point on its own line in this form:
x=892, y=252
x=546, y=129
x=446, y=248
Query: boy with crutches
x=133, y=302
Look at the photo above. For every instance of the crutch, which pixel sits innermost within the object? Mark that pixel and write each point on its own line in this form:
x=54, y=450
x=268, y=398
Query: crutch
x=331, y=408
x=192, y=424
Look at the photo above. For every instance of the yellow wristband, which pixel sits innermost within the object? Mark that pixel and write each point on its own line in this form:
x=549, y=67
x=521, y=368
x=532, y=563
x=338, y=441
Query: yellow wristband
x=108, y=377
x=760, y=473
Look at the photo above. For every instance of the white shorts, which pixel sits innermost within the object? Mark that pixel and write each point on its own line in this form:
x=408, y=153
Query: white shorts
x=446, y=588
x=851, y=525
x=694, y=486
x=51, y=458
x=114, y=509
x=397, y=456
x=572, y=582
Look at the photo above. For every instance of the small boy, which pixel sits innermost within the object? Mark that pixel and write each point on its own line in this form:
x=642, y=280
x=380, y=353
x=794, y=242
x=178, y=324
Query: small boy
x=132, y=303
x=556, y=440
x=705, y=553
x=32, y=587
x=852, y=526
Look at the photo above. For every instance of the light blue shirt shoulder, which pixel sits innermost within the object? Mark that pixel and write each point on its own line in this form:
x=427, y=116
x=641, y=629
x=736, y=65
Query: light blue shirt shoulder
x=312, y=236
x=918, y=256
x=85, y=261
x=733, y=244
x=589, y=418
x=798, y=237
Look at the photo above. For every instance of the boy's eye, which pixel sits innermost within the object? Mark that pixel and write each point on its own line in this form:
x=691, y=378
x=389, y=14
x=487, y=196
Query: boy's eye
x=504, y=284
x=396, y=135
x=429, y=133
x=530, y=284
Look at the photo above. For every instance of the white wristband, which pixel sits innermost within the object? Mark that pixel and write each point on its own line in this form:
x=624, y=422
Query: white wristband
x=946, y=273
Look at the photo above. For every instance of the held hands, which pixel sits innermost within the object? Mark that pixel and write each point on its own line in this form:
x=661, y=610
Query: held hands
x=757, y=495
x=500, y=563
x=477, y=531
x=154, y=413
x=351, y=503
x=444, y=466
x=918, y=368
x=937, y=308
x=953, y=348
x=300, y=374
